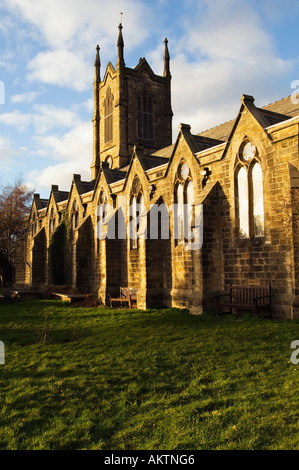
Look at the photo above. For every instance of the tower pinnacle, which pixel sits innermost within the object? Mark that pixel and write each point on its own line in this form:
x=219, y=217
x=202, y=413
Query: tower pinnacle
x=166, y=59
x=120, y=46
x=97, y=65
x=96, y=116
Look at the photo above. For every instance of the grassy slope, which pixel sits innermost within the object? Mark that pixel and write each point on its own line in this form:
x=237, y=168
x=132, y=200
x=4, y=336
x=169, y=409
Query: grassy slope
x=161, y=379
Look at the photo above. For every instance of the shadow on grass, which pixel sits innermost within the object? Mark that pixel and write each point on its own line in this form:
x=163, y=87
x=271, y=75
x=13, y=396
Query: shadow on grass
x=42, y=335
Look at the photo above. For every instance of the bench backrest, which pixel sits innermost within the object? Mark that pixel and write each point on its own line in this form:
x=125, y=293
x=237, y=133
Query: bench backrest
x=126, y=291
x=247, y=294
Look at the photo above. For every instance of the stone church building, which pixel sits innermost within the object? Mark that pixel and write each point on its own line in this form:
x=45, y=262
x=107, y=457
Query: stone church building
x=243, y=174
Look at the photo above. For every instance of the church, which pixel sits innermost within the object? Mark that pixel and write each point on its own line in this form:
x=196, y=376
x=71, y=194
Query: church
x=235, y=187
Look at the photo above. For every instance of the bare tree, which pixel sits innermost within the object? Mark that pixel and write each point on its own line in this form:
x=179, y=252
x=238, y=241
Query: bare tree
x=15, y=203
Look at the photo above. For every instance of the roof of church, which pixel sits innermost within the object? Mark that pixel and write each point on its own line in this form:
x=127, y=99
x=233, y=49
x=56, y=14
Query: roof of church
x=60, y=196
x=43, y=203
x=84, y=186
x=204, y=142
x=272, y=113
x=199, y=143
x=63, y=195
x=284, y=106
x=114, y=175
x=152, y=161
x=88, y=185
x=164, y=153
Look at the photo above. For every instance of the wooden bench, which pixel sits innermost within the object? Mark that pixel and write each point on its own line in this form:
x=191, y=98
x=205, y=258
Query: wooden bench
x=127, y=295
x=252, y=298
x=71, y=298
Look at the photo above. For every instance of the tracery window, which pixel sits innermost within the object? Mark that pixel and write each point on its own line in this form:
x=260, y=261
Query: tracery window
x=145, y=116
x=108, y=116
x=109, y=160
x=75, y=215
x=101, y=214
x=135, y=211
x=249, y=192
x=183, y=198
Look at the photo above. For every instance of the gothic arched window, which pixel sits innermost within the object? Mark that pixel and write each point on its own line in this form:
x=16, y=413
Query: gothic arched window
x=243, y=202
x=109, y=160
x=52, y=222
x=101, y=214
x=189, y=209
x=133, y=221
x=257, y=200
x=249, y=193
x=75, y=215
x=183, y=199
x=34, y=225
x=108, y=116
x=145, y=116
x=136, y=209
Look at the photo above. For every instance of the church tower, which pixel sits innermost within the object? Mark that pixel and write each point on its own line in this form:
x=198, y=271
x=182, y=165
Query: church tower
x=131, y=107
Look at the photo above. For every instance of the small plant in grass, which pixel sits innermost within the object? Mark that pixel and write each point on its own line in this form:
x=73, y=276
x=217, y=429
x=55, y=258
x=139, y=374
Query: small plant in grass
x=42, y=335
x=75, y=334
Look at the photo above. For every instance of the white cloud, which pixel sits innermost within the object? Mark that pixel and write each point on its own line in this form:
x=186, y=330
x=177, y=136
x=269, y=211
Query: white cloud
x=6, y=61
x=47, y=117
x=16, y=119
x=63, y=22
x=60, y=174
x=27, y=97
x=230, y=29
x=75, y=145
x=9, y=154
x=44, y=118
x=74, y=152
x=228, y=53
x=62, y=68
x=72, y=28
x=5, y=150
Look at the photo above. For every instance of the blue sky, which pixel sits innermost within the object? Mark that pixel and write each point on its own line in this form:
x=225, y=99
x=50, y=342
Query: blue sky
x=219, y=49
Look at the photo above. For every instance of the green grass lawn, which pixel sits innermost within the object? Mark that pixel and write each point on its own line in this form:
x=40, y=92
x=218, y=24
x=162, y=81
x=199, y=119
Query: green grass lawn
x=96, y=378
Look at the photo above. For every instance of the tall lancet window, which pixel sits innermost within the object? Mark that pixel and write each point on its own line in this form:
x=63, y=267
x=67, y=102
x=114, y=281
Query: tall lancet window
x=34, y=225
x=108, y=116
x=183, y=199
x=189, y=210
x=52, y=223
x=101, y=215
x=243, y=203
x=258, y=200
x=249, y=195
x=179, y=216
x=145, y=116
x=75, y=215
x=136, y=211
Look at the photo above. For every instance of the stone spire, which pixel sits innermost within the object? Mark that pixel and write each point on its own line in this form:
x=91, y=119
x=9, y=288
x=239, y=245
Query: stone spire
x=120, y=47
x=97, y=66
x=166, y=59
x=96, y=117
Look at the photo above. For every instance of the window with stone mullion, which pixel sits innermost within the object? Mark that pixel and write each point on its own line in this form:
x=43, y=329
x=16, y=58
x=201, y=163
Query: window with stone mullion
x=145, y=117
